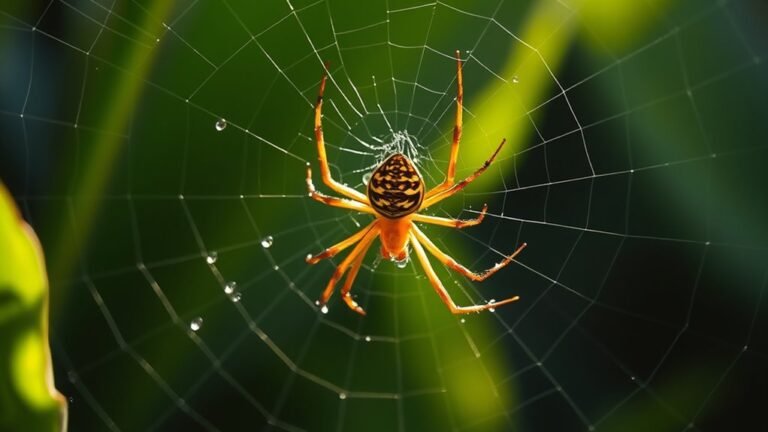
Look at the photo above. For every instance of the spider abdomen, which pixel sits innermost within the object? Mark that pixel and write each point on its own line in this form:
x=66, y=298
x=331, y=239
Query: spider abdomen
x=396, y=188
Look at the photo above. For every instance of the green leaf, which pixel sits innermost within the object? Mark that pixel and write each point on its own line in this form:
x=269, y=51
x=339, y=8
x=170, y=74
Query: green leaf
x=28, y=399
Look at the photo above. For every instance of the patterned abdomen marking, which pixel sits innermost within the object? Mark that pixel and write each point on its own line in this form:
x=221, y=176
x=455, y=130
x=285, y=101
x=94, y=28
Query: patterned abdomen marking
x=395, y=188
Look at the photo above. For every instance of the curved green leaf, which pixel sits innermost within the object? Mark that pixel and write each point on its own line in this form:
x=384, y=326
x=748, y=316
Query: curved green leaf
x=28, y=399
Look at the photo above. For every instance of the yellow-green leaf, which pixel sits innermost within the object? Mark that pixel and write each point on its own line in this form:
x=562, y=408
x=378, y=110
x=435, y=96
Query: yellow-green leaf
x=28, y=399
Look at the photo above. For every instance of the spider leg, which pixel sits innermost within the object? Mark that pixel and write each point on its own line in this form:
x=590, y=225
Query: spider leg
x=348, y=285
x=324, y=169
x=361, y=248
x=451, y=174
x=444, y=296
x=333, y=201
x=340, y=246
x=452, y=223
x=451, y=263
x=435, y=198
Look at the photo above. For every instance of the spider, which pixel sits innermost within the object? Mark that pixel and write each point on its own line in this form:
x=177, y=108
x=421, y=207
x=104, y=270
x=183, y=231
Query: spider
x=395, y=195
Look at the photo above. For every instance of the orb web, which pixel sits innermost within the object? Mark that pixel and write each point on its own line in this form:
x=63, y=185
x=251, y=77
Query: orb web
x=188, y=304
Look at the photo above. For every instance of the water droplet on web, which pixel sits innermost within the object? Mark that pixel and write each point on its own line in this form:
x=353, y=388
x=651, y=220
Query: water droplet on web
x=401, y=263
x=515, y=79
x=71, y=399
x=196, y=324
x=342, y=396
x=324, y=309
x=463, y=320
x=367, y=338
x=221, y=124
x=230, y=287
x=235, y=296
x=492, y=302
x=366, y=178
x=267, y=241
x=212, y=257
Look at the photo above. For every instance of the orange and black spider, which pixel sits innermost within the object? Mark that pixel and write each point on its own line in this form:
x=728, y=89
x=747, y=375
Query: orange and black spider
x=395, y=194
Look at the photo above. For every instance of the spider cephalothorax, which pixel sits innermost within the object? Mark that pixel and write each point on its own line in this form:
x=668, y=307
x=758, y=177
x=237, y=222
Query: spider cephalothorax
x=395, y=195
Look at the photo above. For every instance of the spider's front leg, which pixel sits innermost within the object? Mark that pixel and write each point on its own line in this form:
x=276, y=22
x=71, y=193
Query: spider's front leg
x=451, y=223
x=333, y=201
x=437, y=197
x=451, y=174
x=321, y=155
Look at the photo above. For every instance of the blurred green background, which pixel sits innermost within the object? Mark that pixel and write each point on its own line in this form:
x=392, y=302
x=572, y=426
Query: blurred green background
x=634, y=170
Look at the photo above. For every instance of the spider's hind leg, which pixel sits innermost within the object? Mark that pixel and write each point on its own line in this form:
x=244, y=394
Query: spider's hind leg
x=454, y=265
x=353, y=270
x=338, y=247
x=441, y=291
x=358, y=252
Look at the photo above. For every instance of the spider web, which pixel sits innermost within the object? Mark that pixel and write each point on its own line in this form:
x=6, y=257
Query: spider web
x=635, y=178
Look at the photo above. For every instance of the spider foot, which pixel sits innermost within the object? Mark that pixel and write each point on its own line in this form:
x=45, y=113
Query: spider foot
x=353, y=304
x=322, y=305
x=460, y=310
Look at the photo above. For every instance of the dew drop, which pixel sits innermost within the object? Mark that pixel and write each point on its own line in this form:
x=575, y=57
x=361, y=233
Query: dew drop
x=212, y=257
x=342, y=396
x=324, y=309
x=367, y=338
x=235, y=296
x=267, y=241
x=463, y=320
x=196, y=324
x=492, y=302
x=366, y=178
x=515, y=79
x=230, y=287
x=221, y=124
